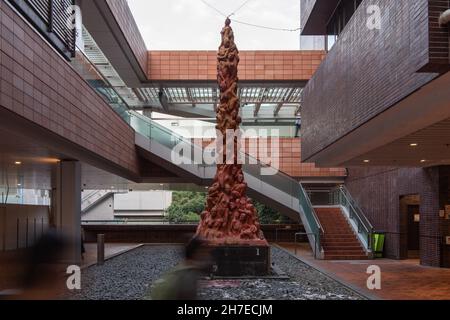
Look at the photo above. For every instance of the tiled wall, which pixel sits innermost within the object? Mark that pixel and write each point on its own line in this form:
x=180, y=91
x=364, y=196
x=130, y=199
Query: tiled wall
x=366, y=72
x=288, y=158
x=254, y=65
x=37, y=84
x=378, y=192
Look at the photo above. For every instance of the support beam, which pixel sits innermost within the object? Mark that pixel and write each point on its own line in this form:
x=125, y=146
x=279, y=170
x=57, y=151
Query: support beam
x=277, y=109
x=298, y=110
x=257, y=108
x=163, y=100
x=190, y=98
x=68, y=208
x=215, y=99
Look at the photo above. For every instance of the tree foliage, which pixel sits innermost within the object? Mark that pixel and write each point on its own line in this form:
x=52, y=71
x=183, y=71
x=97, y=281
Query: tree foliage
x=187, y=206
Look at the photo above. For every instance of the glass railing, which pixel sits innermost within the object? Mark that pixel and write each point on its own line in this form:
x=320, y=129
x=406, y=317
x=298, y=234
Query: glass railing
x=341, y=196
x=313, y=222
x=95, y=79
x=19, y=195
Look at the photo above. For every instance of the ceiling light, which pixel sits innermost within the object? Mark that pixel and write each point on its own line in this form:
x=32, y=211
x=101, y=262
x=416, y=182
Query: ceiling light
x=18, y=163
x=366, y=161
x=423, y=161
x=19, y=185
x=414, y=145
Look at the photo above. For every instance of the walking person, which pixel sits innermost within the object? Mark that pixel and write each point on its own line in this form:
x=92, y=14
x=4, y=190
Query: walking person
x=298, y=126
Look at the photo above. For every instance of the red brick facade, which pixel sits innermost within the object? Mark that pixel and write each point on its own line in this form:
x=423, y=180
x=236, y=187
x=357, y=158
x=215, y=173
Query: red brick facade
x=254, y=65
x=288, y=158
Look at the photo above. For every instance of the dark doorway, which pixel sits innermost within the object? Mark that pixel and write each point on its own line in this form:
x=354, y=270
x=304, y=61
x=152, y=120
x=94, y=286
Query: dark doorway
x=413, y=231
x=410, y=227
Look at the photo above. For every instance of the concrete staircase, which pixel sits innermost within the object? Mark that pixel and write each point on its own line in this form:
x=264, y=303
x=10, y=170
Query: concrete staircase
x=339, y=241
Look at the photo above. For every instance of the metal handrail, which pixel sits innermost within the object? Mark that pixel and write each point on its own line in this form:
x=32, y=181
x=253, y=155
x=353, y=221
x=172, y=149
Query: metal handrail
x=355, y=212
x=90, y=195
x=358, y=210
x=308, y=201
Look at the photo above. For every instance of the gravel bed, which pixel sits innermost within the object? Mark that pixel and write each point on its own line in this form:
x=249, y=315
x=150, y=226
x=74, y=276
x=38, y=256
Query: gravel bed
x=129, y=277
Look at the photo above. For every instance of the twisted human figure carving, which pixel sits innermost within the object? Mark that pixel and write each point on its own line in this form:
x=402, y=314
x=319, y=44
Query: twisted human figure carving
x=229, y=216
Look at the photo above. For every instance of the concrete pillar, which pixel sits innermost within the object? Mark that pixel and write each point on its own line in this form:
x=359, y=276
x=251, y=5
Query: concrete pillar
x=68, y=207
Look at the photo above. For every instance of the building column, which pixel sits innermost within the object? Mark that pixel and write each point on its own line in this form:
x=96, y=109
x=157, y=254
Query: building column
x=67, y=215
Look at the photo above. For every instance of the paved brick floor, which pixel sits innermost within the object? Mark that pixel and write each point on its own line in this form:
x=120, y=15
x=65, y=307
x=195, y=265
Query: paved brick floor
x=401, y=280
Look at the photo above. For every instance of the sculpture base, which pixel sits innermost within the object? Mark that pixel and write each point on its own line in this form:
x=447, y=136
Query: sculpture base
x=240, y=260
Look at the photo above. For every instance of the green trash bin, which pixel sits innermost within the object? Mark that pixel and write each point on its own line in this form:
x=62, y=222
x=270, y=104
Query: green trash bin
x=378, y=244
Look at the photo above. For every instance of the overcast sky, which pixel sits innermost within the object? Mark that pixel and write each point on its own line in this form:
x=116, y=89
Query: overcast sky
x=191, y=25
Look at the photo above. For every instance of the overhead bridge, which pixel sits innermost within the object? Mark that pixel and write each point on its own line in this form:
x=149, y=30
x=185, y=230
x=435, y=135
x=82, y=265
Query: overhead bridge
x=184, y=83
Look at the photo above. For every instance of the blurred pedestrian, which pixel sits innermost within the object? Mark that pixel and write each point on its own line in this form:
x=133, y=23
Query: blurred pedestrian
x=44, y=270
x=182, y=282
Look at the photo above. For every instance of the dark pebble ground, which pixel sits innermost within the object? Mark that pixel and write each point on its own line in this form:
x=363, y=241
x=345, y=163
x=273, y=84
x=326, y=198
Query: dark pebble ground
x=130, y=276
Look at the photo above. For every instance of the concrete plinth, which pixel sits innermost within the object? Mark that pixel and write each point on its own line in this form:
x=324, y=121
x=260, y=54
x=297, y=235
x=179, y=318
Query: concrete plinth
x=241, y=260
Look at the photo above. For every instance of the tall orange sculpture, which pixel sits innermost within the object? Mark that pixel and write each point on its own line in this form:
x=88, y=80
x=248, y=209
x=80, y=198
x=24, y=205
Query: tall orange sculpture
x=229, y=217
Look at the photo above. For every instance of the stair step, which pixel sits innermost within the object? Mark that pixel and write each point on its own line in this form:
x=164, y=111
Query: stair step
x=340, y=237
x=349, y=246
x=340, y=242
x=344, y=252
x=347, y=257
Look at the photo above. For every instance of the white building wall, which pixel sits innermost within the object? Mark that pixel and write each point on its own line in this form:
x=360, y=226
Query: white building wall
x=104, y=210
x=143, y=201
x=151, y=203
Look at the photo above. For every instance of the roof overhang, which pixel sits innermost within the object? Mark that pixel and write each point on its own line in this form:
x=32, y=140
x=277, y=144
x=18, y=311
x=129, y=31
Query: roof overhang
x=316, y=22
x=413, y=133
x=99, y=20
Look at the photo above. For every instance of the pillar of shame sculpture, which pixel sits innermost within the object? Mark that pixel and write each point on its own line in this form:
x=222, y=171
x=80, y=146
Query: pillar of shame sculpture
x=230, y=219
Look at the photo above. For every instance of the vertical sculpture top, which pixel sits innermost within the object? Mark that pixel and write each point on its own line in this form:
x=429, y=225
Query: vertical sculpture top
x=227, y=78
x=229, y=216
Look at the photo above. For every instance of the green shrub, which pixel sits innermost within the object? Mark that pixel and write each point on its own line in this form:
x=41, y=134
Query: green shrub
x=187, y=206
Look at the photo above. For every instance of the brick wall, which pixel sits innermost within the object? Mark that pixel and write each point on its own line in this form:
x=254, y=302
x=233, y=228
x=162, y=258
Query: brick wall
x=366, y=72
x=125, y=19
x=38, y=85
x=378, y=192
x=254, y=65
x=288, y=158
